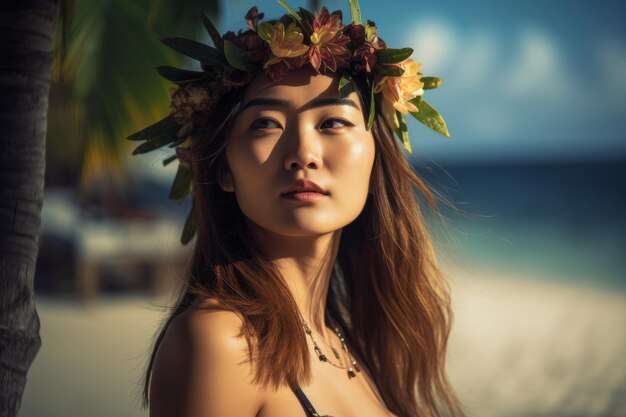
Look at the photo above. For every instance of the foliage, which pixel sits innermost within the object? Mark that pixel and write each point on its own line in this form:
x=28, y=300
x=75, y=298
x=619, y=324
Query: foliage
x=104, y=85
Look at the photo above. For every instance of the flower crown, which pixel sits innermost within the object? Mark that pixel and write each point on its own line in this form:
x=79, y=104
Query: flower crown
x=294, y=41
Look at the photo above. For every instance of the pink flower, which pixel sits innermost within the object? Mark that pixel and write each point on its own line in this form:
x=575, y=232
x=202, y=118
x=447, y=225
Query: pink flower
x=329, y=49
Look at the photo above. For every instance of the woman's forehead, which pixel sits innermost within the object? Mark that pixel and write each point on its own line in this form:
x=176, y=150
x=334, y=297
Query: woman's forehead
x=298, y=86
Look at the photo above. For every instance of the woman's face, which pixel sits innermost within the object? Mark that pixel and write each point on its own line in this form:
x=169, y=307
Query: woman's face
x=299, y=129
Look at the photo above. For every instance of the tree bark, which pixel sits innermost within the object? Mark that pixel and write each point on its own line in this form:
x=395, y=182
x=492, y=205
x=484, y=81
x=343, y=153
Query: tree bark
x=27, y=30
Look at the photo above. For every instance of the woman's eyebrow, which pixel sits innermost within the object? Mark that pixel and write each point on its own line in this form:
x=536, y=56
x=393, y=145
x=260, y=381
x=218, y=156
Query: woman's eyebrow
x=319, y=102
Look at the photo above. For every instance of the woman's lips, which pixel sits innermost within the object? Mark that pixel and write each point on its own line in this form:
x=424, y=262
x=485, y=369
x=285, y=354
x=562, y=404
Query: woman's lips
x=304, y=196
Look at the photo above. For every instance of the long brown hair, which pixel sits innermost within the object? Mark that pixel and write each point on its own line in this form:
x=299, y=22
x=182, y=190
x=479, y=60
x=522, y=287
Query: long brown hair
x=386, y=292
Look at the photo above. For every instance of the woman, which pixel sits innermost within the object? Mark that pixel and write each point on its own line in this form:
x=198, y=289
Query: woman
x=312, y=271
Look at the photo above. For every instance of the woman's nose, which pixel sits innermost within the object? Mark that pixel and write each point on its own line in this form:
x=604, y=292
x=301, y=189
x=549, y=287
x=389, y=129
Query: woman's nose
x=304, y=149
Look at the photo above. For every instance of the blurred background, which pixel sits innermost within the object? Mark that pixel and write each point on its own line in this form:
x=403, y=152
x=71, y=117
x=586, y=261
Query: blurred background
x=534, y=96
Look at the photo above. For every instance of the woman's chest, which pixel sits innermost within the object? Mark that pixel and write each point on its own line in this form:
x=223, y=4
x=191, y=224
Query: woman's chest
x=330, y=393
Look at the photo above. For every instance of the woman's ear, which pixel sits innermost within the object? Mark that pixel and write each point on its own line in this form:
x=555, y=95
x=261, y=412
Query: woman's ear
x=225, y=181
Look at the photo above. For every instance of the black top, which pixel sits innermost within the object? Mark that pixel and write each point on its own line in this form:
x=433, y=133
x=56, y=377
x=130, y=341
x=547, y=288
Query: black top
x=306, y=404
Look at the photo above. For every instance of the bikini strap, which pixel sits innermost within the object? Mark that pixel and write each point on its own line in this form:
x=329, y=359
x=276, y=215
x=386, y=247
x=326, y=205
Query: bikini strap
x=306, y=404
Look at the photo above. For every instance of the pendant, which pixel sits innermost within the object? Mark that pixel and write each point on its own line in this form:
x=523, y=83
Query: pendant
x=351, y=373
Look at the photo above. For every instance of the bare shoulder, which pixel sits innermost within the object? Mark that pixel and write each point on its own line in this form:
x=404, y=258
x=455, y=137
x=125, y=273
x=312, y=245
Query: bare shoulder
x=202, y=367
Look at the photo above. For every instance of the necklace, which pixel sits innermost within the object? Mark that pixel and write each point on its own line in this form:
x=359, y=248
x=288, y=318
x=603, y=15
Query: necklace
x=347, y=361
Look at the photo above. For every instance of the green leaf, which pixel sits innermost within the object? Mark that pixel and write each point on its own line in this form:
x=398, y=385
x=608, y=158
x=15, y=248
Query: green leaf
x=213, y=33
x=115, y=48
x=182, y=182
x=392, y=56
x=389, y=70
x=431, y=82
x=169, y=160
x=237, y=58
x=345, y=86
x=430, y=117
x=179, y=76
x=355, y=11
x=306, y=23
x=290, y=10
x=165, y=127
x=154, y=144
x=178, y=141
x=204, y=53
x=372, y=110
x=306, y=15
x=403, y=131
x=189, y=230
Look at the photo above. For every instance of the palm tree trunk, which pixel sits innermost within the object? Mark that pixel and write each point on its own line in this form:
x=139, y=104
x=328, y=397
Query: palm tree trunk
x=27, y=29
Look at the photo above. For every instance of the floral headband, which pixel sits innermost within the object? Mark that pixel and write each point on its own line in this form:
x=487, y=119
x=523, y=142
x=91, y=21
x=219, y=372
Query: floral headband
x=296, y=40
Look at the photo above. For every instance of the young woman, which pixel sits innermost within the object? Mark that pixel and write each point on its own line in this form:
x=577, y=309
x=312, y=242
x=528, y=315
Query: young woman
x=312, y=271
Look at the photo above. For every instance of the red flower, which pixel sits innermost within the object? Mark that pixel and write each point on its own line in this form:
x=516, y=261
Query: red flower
x=252, y=18
x=329, y=46
x=365, y=58
x=277, y=72
x=356, y=33
x=250, y=42
x=232, y=77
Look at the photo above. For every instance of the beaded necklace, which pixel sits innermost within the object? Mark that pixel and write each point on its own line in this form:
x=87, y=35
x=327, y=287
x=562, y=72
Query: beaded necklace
x=346, y=360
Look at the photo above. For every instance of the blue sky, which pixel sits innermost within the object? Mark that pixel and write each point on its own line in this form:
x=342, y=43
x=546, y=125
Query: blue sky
x=523, y=81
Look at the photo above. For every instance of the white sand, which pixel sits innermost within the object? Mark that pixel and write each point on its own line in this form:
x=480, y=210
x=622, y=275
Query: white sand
x=518, y=348
x=537, y=348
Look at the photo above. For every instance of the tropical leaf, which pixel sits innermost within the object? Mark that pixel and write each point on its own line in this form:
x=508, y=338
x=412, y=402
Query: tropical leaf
x=403, y=131
x=306, y=15
x=178, y=141
x=431, y=82
x=104, y=85
x=292, y=12
x=238, y=58
x=345, y=86
x=199, y=51
x=189, y=230
x=355, y=11
x=429, y=117
x=169, y=160
x=372, y=109
x=153, y=144
x=164, y=127
x=179, y=76
x=389, y=70
x=306, y=23
x=392, y=56
x=218, y=42
x=182, y=182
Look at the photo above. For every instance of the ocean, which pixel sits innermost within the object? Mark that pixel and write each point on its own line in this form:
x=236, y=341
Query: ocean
x=544, y=221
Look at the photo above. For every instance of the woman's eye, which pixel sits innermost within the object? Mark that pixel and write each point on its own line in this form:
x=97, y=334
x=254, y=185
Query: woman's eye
x=334, y=124
x=265, y=123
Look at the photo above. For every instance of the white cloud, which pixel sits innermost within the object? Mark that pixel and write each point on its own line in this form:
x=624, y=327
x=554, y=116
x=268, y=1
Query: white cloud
x=434, y=43
x=538, y=70
x=611, y=57
x=475, y=65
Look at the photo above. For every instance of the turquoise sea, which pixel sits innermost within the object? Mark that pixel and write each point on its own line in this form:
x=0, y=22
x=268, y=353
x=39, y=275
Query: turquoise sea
x=562, y=221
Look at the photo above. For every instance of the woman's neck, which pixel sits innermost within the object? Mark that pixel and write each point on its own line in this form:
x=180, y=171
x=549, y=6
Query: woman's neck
x=306, y=263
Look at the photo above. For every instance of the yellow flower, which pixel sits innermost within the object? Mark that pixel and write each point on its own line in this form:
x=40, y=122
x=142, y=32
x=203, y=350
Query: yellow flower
x=398, y=91
x=284, y=43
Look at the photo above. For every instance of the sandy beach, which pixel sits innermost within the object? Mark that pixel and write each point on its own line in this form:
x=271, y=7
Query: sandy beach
x=519, y=347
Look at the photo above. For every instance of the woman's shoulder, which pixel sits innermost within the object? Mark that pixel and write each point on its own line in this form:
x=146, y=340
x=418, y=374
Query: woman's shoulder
x=201, y=363
x=208, y=321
